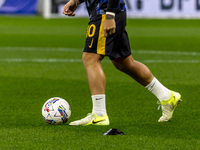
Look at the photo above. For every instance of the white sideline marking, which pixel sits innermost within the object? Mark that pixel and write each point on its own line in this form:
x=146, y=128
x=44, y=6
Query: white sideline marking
x=156, y=52
x=79, y=60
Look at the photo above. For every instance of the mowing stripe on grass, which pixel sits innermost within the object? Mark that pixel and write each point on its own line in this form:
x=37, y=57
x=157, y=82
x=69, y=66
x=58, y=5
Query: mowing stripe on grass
x=156, y=52
x=167, y=52
x=79, y=60
x=41, y=49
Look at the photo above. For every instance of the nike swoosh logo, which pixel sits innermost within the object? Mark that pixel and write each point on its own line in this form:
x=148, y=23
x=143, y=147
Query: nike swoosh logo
x=91, y=43
x=98, y=98
x=94, y=122
x=153, y=85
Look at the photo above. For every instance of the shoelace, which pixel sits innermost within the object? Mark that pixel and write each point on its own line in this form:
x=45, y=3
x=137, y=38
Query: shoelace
x=159, y=104
x=89, y=115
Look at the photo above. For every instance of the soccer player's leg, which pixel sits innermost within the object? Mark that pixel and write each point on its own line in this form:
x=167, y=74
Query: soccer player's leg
x=122, y=59
x=138, y=71
x=92, y=56
x=97, y=83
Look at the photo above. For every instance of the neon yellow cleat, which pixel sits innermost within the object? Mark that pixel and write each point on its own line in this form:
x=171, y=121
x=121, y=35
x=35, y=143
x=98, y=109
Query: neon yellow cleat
x=169, y=106
x=91, y=119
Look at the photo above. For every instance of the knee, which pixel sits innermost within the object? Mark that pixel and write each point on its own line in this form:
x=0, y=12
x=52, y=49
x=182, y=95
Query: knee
x=85, y=58
x=91, y=59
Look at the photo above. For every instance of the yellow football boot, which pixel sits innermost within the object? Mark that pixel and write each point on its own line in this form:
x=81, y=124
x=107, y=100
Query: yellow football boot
x=169, y=106
x=91, y=119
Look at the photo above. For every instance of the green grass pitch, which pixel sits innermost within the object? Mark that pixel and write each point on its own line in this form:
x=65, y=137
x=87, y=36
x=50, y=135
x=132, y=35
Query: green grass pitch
x=40, y=59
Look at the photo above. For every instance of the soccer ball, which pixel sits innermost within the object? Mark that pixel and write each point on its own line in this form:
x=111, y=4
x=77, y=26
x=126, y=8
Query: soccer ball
x=56, y=110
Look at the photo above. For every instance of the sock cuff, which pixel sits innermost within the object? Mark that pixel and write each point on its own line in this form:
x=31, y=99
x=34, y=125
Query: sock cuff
x=99, y=105
x=99, y=95
x=159, y=90
x=151, y=84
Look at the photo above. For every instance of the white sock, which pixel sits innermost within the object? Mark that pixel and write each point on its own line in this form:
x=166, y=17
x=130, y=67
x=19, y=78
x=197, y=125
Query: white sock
x=160, y=91
x=99, y=105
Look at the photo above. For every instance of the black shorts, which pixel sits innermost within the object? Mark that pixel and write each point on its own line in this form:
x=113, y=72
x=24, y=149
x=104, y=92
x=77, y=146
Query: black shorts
x=115, y=45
